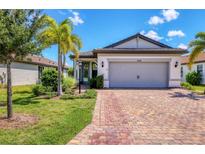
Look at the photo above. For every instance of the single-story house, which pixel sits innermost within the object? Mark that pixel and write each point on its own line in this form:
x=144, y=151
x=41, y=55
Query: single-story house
x=198, y=66
x=134, y=62
x=28, y=71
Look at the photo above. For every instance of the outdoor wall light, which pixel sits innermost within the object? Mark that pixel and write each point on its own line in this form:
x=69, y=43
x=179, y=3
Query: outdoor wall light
x=176, y=64
x=102, y=63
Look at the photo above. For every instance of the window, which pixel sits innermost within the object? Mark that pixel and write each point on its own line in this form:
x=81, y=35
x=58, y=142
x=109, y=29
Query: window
x=200, y=69
x=182, y=72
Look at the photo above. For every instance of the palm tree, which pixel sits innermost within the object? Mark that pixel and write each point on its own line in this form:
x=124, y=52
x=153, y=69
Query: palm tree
x=60, y=35
x=197, y=46
x=74, y=45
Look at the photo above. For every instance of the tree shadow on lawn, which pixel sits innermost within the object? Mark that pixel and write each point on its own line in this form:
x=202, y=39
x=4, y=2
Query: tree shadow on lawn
x=22, y=92
x=26, y=100
x=191, y=96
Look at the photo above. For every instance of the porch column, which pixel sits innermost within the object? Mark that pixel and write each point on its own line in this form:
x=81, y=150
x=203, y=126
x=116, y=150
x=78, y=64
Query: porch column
x=75, y=70
x=90, y=70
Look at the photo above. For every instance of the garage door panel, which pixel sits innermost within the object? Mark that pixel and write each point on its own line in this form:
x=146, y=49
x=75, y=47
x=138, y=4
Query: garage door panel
x=138, y=85
x=133, y=74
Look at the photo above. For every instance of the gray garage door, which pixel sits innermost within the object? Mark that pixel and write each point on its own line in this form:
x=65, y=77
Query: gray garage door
x=133, y=74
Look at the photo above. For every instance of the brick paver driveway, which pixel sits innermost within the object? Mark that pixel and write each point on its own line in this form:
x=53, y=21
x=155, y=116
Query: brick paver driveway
x=172, y=116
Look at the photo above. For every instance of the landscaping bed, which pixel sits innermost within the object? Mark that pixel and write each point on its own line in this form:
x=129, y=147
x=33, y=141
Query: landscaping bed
x=55, y=121
x=199, y=89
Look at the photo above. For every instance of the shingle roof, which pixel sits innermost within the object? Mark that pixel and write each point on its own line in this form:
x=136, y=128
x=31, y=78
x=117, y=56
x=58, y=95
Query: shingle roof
x=200, y=58
x=34, y=59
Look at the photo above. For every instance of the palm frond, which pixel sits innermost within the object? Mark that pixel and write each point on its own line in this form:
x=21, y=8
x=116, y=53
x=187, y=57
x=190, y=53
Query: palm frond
x=51, y=22
x=200, y=35
x=194, y=54
x=197, y=43
x=47, y=37
x=77, y=41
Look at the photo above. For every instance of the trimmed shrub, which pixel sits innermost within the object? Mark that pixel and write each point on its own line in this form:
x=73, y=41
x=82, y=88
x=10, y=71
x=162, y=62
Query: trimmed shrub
x=69, y=83
x=186, y=85
x=194, y=78
x=50, y=78
x=99, y=82
x=90, y=93
x=92, y=83
x=38, y=90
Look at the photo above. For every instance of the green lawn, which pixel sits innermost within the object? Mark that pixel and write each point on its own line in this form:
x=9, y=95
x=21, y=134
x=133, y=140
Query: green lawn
x=59, y=120
x=199, y=89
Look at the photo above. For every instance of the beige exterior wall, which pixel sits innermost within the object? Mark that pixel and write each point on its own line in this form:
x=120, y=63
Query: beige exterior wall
x=174, y=72
x=194, y=68
x=22, y=74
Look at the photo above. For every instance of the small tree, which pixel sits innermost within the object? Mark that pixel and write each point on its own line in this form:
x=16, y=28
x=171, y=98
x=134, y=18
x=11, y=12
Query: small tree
x=17, y=40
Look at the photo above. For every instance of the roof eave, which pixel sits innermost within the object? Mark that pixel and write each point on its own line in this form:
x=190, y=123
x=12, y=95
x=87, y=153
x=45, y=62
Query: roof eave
x=139, y=52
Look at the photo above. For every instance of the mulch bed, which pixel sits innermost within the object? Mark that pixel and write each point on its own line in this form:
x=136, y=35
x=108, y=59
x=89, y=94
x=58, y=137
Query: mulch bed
x=18, y=121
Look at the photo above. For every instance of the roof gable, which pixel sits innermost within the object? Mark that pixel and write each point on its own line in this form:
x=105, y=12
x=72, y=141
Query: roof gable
x=137, y=41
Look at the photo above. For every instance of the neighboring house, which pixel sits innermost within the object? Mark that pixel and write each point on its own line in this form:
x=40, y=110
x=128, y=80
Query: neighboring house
x=136, y=61
x=29, y=70
x=198, y=66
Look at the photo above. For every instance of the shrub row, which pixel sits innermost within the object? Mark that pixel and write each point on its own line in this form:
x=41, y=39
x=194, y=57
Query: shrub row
x=89, y=94
x=49, y=83
x=97, y=82
x=186, y=85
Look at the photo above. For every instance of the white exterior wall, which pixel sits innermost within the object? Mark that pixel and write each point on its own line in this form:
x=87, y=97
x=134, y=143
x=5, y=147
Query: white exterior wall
x=174, y=73
x=22, y=74
x=137, y=43
x=194, y=68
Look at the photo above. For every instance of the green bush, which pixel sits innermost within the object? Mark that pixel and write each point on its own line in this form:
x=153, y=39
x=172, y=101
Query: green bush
x=69, y=83
x=186, y=85
x=38, y=90
x=70, y=71
x=99, y=82
x=90, y=93
x=92, y=83
x=194, y=78
x=50, y=78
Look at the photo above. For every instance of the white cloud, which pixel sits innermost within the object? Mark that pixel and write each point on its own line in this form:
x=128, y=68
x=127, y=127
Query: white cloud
x=152, y=34
x=142, y=32
x=168, y=39
x=76, y=19
x=182, y=46
x=173, y=33
x=170, y=14
x=155, y=20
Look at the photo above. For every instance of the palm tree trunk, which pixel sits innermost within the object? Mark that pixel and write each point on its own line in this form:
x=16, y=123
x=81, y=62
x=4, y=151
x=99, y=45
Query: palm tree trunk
x=9, y=91
x=63, y=63
x=59, y=72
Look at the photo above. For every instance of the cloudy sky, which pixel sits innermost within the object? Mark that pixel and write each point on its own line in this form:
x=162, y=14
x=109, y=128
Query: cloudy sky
x=99, y=28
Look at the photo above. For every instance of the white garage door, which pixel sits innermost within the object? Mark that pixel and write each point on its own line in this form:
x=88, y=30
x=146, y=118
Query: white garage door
x=134, y=74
